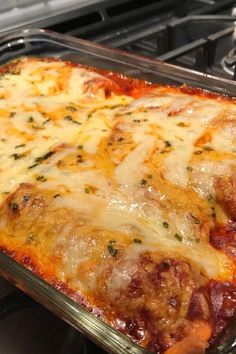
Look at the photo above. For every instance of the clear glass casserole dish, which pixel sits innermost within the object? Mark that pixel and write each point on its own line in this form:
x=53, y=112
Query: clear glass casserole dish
x=49, y=44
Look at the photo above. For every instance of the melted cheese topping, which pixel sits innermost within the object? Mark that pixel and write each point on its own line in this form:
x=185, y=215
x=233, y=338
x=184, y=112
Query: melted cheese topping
x=136, y=167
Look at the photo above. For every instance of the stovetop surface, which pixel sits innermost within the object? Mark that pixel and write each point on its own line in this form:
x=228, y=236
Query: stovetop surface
x=199, y=34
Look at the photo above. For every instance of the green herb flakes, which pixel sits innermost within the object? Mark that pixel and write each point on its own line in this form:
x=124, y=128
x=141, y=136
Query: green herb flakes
x=41, y=178
x=198, y=152
x=208, y=148
x=79, y=159
x=68, y=117
x=167, y=143
x=44, y=157
x=213, y=214
x=13, y=206
x=165, y=224
x=181, y=124
x=178, y=237
x=86, y=190
x=19, y=146
x=71, y=108
x=143, y=182
x=46, y=121
x=111, y=249
x=196, y=221
x=32, y=166
x=165, y=265
x=210, y=198
x=137, y=240
x=31, y=238
x=17, y=156
x=76, y=122
x=26, y=197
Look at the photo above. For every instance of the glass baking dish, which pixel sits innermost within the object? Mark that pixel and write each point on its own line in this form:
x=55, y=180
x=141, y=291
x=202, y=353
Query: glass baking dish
x=34, y=42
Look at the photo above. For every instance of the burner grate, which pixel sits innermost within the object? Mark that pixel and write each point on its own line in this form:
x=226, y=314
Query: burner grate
x=200, y=40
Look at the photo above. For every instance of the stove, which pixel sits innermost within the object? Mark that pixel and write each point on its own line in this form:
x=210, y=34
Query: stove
x=198, y=34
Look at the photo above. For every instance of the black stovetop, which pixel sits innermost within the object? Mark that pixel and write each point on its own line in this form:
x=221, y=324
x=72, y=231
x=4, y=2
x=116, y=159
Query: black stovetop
x=198, y=34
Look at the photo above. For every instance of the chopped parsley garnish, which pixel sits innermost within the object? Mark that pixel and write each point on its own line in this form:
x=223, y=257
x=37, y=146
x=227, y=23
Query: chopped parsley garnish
x=195, y=220
x=137, y=240
x=70, y=119
x=19, y=146
x=198, y=152
x=76, y=122
x=111, y=249
x=32, y=166
x=44, y=157
x=46, y=121
x=165, y=224
x=79, y=158
x=209, y=198
x=37, y=127
x=90, y=189
x=31, y=238
x=167, y=143
x=87, y=190
x=41, y=178
x=13, y=206
x=178, y=237
x=213, y=214
x=71, y=108
x=165, y=264
x=17, y=156
x=26, y=197
x=189, y=168
x=136, y=120
x=80, y=146
x=208, y=148
x=181, y=124
x=31, y=119
x=143, y=182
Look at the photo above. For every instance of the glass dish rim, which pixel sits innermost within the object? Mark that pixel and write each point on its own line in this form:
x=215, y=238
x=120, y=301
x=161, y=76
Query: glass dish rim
x=98, y=331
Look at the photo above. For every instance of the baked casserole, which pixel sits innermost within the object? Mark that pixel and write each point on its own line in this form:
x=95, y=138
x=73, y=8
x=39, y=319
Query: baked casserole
x=122, y=194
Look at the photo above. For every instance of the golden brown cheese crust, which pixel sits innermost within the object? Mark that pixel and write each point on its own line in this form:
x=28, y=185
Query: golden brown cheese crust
x=122, y=195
